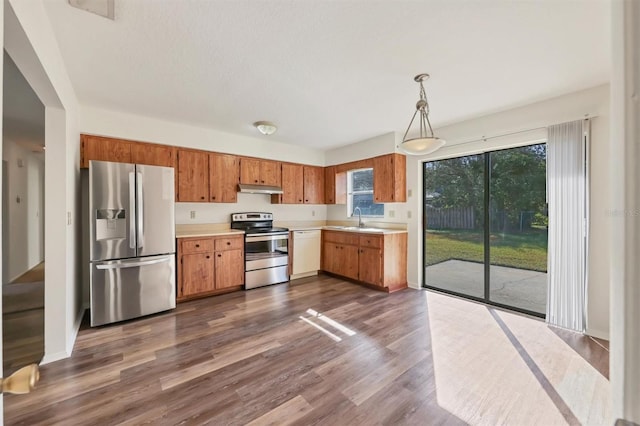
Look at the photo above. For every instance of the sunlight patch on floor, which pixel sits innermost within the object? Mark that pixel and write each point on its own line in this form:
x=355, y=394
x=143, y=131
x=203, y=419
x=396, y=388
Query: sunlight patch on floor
x=480, y=376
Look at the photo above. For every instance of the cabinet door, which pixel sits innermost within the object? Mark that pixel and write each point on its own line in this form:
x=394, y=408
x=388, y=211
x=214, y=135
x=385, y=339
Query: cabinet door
x=197, y=274
x=193, y=176
x=224, y=174
x=349, y=261
x=152, y=154
x=229, y=267
x=383, y=179
x=104, y=149
x=389, y=178
x=370, y=265
x=330, y=185
x=250, y=171
x=330, y=256
x=313, y=185
x=292, y=184
x=270, y=173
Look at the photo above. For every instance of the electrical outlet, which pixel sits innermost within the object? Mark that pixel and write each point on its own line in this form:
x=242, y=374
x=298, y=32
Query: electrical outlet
x=408, y=214
x=68, y=218
x=392, y=213
x=409, y=193
x=192, y=214
x=313, y=212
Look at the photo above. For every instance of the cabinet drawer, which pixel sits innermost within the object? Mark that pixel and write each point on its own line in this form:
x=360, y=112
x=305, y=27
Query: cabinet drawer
x=373, y=241
x=341, y=237
x=197, y=246
x=229, y=243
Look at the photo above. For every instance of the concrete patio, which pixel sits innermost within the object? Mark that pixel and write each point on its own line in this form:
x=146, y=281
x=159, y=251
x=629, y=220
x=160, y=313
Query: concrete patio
x=520, y=288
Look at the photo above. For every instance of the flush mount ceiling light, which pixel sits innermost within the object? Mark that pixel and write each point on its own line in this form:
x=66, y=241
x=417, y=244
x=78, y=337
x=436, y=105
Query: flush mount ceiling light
x=427, y=142
x=265, y=127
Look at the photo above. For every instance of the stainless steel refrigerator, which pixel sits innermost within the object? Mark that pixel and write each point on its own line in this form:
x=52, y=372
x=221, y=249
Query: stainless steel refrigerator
x=131, y=241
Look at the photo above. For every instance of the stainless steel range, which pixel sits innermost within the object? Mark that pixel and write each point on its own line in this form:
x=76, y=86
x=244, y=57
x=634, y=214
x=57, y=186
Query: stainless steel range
x=266, y=249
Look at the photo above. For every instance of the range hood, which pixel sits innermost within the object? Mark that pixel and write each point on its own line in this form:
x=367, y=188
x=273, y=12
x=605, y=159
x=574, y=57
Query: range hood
x=259, y=189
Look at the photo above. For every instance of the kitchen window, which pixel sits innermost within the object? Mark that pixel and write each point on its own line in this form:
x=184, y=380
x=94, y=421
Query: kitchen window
x=360, y=194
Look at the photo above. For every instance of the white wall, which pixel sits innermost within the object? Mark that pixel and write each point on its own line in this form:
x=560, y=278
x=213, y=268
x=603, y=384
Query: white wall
x=31, y=43
x=368, y=148
x=129, y=126
x=25, y=242
x=221, y=212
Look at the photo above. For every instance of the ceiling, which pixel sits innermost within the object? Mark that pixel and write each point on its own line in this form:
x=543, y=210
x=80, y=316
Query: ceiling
x=330, y=72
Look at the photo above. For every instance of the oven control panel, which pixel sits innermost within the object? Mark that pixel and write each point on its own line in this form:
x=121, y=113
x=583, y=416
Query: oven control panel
x=239, y=217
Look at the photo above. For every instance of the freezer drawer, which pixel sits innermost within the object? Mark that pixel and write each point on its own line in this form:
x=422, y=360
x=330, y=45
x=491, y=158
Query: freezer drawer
x=131, y=288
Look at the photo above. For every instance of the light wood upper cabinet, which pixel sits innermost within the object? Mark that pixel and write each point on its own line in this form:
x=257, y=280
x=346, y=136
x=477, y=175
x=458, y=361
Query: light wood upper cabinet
x=335, y=186
x=313, y=185
x=153, y=155
x=224, y=175
x=270, y=173
x=292, y=185
x=193, y=176
x=254, y=171
x=103, y=149
x=389, y=178
x=250, y=171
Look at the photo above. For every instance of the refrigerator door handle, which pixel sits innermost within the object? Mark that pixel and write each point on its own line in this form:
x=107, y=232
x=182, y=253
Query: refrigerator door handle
x=140, y=210
x=135, y=264
x=132, y=203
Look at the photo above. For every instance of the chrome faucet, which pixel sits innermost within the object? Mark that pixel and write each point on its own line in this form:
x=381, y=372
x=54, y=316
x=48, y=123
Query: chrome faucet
x=360, y=224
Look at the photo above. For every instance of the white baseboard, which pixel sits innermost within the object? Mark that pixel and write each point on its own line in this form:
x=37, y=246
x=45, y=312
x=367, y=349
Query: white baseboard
x=303, y=275
x=597, y=333
x=49, y=358
x=414, y=285
x=76, y=328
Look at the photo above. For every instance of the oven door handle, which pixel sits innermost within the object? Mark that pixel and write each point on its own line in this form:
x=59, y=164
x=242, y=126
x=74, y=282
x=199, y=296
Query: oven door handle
x=252, y=239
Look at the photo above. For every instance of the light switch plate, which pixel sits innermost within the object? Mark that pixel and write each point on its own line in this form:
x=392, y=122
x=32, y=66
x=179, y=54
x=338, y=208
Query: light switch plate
x=192, y=214
x=408, y=214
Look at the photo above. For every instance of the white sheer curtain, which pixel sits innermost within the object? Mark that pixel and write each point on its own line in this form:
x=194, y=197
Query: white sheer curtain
x=567, y=192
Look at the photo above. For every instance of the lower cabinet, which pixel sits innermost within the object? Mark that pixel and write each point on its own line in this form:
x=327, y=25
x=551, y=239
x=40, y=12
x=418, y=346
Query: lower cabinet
x=209, y=265
x=377, y=260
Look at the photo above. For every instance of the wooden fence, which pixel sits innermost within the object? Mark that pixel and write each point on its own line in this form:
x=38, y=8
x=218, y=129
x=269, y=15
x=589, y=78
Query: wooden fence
x=451, y=218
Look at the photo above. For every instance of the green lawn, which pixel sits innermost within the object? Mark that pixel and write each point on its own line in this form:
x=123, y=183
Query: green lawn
x=526, y=250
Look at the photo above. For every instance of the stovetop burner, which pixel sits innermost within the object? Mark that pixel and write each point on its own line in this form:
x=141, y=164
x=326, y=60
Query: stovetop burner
x=265, y=230
x=255, y=223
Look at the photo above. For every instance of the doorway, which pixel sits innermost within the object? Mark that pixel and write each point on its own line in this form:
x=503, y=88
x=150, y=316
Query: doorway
x=485, y=222
x=23, y=280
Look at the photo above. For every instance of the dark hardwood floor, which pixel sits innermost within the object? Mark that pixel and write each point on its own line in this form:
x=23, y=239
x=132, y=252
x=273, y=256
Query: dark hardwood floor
x=320, y=351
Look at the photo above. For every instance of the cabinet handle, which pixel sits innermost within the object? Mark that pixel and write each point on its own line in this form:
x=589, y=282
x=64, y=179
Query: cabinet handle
x=306, y=201
x=202, y=198
x=228, y=243
x=261, y=181
x=219, y=255
x=213, y=198
x=255, y=181
x=208, y=257
x=299, y=201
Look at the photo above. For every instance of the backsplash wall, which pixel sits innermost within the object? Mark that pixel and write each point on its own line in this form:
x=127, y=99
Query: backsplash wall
x=221, y=212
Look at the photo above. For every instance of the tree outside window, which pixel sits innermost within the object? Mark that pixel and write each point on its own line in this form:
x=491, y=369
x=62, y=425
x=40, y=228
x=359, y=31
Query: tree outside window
x=360, y=194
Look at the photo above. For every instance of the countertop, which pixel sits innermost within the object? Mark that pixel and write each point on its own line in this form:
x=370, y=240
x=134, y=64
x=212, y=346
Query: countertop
x=375, y=231
x=205, y=230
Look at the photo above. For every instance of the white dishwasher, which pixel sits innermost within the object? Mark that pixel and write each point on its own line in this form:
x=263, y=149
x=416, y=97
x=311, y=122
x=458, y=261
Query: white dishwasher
x=306, y=253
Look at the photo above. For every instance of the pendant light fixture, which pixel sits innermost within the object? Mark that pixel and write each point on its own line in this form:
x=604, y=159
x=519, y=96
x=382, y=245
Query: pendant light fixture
x=427, y=142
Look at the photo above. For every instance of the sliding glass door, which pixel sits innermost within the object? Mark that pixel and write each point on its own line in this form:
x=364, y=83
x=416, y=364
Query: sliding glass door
x=486, y=227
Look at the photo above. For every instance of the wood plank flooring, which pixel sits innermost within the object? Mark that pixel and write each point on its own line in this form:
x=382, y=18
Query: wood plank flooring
x=322, y=351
